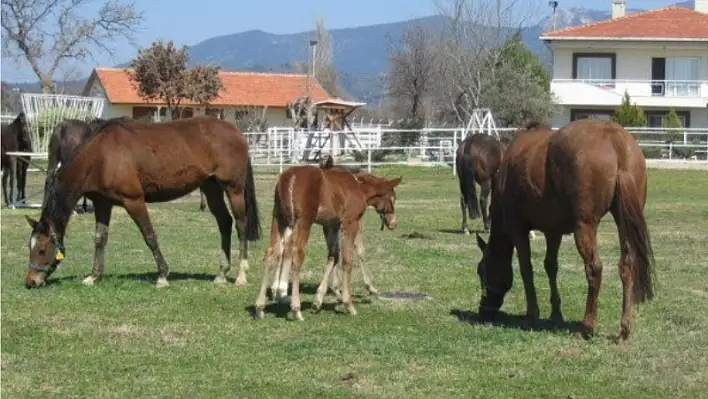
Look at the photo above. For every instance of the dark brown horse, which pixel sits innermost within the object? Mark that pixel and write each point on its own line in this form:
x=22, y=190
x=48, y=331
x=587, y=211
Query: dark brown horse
x=15, y=138
x=560, y=183
x=129, y=165
x=477, y=161
x=336, y=200
x=66, y=138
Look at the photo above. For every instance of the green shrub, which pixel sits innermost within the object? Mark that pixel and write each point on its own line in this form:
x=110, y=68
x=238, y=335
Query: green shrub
x=629, y=114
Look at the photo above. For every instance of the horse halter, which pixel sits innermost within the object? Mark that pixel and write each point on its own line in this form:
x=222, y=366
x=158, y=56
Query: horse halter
x=58, y=255
x=383, y=213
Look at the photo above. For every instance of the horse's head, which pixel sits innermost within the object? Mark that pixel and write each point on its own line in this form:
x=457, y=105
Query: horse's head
x=384, y=200
x=46, y=251
x=24, y=131
x=495, y=278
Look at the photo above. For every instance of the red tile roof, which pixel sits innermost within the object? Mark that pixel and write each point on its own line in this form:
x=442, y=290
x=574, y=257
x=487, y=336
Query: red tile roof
x=240, y=88
x=677, y=23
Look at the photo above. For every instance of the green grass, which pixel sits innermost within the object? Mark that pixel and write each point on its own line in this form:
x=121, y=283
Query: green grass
x=125, y=338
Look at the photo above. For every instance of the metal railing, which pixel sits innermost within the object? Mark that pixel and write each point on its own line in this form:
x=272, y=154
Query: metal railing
x=646, y=88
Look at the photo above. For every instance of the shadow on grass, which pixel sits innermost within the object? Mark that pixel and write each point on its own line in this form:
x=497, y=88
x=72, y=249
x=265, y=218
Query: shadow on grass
x=330, y=303
x=459, y=231
x=518, y=322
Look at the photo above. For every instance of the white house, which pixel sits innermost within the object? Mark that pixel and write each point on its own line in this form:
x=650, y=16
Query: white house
x=660, y=57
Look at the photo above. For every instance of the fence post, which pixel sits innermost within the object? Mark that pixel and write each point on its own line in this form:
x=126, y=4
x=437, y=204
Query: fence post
x=454, y=153
x=368, y=159
x=671, y=149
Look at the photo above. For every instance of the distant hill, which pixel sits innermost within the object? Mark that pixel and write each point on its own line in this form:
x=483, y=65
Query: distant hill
x=361, y=53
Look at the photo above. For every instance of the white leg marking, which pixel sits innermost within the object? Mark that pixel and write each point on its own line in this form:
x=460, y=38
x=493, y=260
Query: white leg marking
x=88, y=281
x=162, y=282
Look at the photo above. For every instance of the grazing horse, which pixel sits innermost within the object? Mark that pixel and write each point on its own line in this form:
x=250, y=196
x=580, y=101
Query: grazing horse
x=66, y=138
x=477, y=161
x=336, y=200
x=131, y=164
x=15, y=138
x=560, y=183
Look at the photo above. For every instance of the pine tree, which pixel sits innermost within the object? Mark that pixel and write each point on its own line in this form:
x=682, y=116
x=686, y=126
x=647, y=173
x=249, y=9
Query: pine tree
x=629, y=114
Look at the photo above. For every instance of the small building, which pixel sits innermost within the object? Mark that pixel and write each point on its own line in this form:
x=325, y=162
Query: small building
x=659, y=57
x=243, y=92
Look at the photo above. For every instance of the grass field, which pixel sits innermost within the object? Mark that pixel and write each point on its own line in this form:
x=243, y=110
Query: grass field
x=125, y=338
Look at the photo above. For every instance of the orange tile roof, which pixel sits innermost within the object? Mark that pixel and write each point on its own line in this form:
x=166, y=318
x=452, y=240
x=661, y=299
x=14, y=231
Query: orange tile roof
x=677, y=23
x=240, y=88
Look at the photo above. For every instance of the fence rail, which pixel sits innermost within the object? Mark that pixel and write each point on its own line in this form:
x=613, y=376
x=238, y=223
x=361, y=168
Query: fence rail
x=431, y=146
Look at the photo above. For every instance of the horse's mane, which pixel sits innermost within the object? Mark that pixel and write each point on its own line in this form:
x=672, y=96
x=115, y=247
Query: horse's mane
x=95, y=128
x=52, y=208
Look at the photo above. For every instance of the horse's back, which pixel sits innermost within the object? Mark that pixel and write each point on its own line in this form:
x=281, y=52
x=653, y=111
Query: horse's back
x=480, y=152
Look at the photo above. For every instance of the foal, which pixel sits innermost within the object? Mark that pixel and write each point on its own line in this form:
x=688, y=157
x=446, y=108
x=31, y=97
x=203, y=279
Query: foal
x=334, y=199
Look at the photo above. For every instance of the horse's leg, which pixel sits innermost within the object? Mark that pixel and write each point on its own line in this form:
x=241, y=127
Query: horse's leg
x=523, y=249
x=215, y=196
x=301, y=235
x=273, y=257
x=332, y=238
x=103, y=218
x=138, y=212
x=350, y=231
x=238, y=208
x=625, y=272
x=202, y=201
x=486, y=188
x=282, y=277
x=361, y=254
x=5, y=174
x=13, y=179
x=586, y=242
x=463, y=208
x=553, y=242
x=84, y=206
x=22, y=166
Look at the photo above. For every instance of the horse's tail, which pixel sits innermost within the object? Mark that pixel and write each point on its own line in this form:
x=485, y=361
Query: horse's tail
x=633, y=227
x=253, y=222
x=466, y=176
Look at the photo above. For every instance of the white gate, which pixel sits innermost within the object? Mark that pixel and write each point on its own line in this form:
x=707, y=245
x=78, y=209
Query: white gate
x=45, y=111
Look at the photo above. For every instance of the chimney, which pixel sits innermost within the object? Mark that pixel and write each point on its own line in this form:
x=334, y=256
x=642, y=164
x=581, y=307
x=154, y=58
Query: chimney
x=619, y=8
x=701, y=6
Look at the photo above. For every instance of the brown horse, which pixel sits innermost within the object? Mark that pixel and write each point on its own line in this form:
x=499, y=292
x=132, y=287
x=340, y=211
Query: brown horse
x=15, y=138
x=477, y=161
x=336, y=200
x=129, y=165
x=560, y=183
x=66, y=138
x=279, y=289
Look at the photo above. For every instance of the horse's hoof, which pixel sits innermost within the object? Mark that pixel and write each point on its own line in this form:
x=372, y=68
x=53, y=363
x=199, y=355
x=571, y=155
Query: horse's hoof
x=296, y=315
x=162, y=283
x=220, y=280
x=88, y=281
x=556, y=318
x=258, y=314
x=241, y=281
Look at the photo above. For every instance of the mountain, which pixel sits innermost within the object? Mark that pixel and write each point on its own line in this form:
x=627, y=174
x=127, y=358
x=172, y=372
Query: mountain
x=360, y=54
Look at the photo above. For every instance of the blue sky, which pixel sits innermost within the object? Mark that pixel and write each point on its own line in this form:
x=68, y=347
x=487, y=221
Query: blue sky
x=189, y=22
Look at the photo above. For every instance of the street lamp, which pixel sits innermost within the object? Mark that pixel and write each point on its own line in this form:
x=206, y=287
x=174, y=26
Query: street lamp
x=553, y=4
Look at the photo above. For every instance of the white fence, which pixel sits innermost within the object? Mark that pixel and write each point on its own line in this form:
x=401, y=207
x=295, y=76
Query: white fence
x=282, y=147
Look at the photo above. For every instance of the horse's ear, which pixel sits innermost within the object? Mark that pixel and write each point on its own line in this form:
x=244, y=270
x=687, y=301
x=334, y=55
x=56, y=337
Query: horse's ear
x=328, y=163
x=33, y=223
x=395, y=182
x=480, y=243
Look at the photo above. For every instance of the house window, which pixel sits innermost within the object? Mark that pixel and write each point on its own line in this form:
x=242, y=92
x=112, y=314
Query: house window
x=658, y=118
x=597, y=114
x=682, y=76
x=214, y=112
x=600, y=68
x=148, y=113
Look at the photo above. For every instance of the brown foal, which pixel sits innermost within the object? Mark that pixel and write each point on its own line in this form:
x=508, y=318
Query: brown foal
x=335, y=199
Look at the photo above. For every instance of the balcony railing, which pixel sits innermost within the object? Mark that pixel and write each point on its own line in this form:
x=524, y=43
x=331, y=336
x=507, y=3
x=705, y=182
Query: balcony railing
x=646, y=88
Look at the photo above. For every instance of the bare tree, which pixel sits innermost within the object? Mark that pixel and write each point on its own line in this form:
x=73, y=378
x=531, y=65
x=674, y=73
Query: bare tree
x=48, y=33
x=474, y=36
x=413, y=67
x=160, y=73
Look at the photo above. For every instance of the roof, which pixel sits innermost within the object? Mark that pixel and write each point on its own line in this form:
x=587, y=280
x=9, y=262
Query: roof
x=668, y=23
x=240, y=88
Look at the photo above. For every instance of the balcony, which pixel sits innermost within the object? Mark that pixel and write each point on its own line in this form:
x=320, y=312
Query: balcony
x=653, y=93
